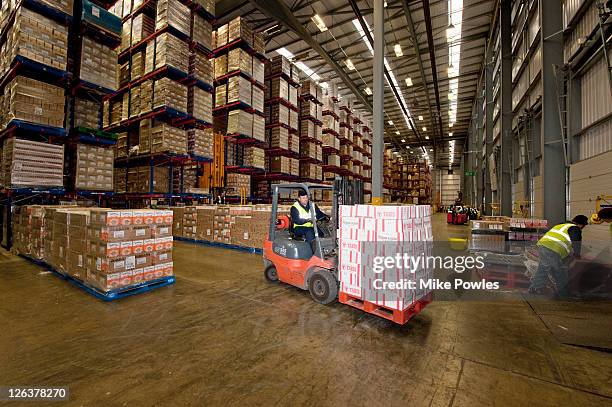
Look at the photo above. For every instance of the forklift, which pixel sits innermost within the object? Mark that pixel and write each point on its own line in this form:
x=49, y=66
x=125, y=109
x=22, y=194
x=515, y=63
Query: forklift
x=308, y=266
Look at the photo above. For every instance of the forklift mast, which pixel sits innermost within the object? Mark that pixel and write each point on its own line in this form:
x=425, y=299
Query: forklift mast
x=346, y=192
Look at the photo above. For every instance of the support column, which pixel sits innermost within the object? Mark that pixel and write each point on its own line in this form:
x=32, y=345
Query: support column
x=480, y=163
x=553, y=162
x=505, y=181
x=378, y=105
x=488, y=129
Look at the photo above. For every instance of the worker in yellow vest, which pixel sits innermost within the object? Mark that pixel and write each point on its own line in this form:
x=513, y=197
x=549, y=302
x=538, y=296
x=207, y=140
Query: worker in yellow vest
x=301, y=219
x=557, y=248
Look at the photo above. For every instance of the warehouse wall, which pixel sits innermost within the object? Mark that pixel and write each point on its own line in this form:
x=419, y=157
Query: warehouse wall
x=448, y=185
x=588, y=179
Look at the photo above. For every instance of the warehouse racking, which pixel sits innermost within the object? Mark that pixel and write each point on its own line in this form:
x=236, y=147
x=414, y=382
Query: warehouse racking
x=163, y=107
x=239, y=104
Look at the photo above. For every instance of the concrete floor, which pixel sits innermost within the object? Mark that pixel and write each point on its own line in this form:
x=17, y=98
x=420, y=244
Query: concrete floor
x=223, y=336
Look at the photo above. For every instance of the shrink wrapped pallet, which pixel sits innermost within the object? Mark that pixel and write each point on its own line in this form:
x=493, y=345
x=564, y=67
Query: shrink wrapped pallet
x=142, y=26
x=239, y=60
x=279, y=164
x=370, y=231
x=30, y=164
x=257, y=99
x=278, y=137
x=94, y=168
x=201, y=142
x=220, y=95
x=240, y=122
x=203, y=67
x=98, y=64
x=293, y=96
x=220, y=66
x=239, y=28
x=175, y=14
x=86, y=113
x=278, y=65
x=166, y=138
x=258, y=71
x=238, y=90
x=202, y=31
x=254, y=157
x=37, y=38
x=33, y=101
x=259, y=128
x=171, y=94
x=200, y=104
x=167, y=50
x=277, y=114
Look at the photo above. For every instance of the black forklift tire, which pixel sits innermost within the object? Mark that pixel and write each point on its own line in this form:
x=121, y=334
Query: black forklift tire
x=271, y=275
x=323, y=287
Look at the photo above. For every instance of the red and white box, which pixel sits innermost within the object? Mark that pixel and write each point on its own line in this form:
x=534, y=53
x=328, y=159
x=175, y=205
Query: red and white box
x=126, y=218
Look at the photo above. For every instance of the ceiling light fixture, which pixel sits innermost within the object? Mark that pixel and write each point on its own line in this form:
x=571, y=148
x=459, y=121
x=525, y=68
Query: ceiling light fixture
x=424, y=128
x=349, y=65
x=368, y=91
x=420, y=118
x=390, y=122
x=398, y=50
x=409, y=81
x=319, y=22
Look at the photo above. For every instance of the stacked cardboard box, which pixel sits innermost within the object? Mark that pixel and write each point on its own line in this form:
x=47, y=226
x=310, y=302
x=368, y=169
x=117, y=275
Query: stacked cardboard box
x=258, y=70
x=203, y=67
x=220, y=66
x=86, y=113
x=170, y=93
x=127, y=247
x=175, y=14
x=120, y=180
x=330, y=140
x=240, y=60
x=167, y=50
x=165, y=138
x=254, y=157
x=239, y=28
x=190, y=222
x=280, y=164
x=333, y=159
x=257, y=99
x=277, y=88
x=259, y=128
x=239, y=90
x=37, y=38
x=220, y=95
x=278, y=137
x=202, y=31
x=371, y=231
x=294, y=143
x=308, y=170
x=28, y=163
x=277, y=114
x=200, y=104
x=201, y=142
x=137, y=29
x=146, y=179
x=279, y=65
x=295, y=166
x=98, y=64
x=94, y=168
x=205, y=222
x=240, y=122
x=177, y=221
x=237, y=184
x=33, y=101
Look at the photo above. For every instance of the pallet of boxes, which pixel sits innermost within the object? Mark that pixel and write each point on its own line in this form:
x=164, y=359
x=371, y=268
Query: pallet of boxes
x=489, y=234
x=106, y=252
x=368, y=233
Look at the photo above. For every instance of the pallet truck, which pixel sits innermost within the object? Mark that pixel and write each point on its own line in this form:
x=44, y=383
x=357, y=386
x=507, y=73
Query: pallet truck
x=309, y=266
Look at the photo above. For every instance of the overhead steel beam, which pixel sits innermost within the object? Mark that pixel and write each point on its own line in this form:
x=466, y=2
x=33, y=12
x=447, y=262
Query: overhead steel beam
x=353, y=4
x=415, y=43
x=432, y=57
x=278, y=10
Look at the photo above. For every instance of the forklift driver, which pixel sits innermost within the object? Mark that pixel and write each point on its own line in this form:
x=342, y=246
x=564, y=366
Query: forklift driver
x=300, y=217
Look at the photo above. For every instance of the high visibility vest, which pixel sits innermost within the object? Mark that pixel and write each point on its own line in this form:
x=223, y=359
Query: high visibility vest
x=304, y=214
x=558, y=240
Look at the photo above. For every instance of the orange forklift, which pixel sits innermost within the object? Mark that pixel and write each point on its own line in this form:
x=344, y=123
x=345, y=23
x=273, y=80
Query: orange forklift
x=309, y=266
